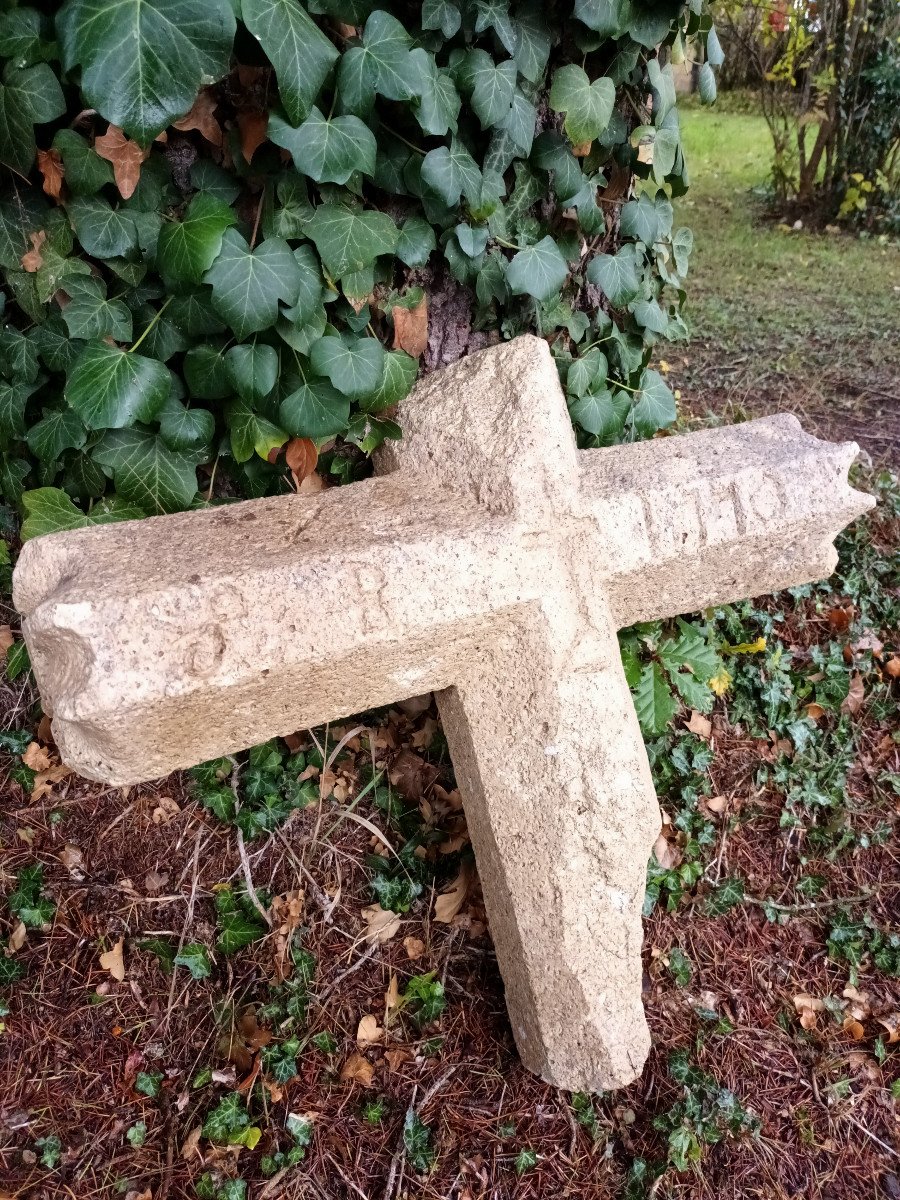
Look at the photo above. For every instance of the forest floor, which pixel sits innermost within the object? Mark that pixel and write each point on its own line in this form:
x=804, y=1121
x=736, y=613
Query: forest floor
x=158, y=1040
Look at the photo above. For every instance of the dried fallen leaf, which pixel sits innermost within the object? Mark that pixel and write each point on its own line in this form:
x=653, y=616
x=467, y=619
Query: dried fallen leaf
x=6, y=638
x=201, y=117
x=72, y=859
x=716, y=804
x=190, y=1147
x=411, y=328
x=666, y=853
x=382, y=923
x=50, y=165
x=395, y=1058
x=414, y=947
x=253, y=127
x=853, y=701
x=358, y=1069
x=301, y=457
x=36, y=757
x=369, y=1032
x=166, y=808
x=814, y=711
x=126, y=157
x=700, y=725
x=807, y=1006
x=839, y=618
x=32, y=260
x=448, y=904
x=44, y=781
x=114, y=961
x=854, y=1028
x=892, y=667
x=892, y=1024
x=17, y=938
x=391, y=999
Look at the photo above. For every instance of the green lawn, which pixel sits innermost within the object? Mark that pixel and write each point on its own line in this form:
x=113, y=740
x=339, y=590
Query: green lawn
x=782, y=318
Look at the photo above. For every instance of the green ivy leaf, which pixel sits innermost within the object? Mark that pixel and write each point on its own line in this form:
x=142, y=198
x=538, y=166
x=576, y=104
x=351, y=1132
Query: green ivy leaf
x=707, y=84
x=195, y=957
x=247, y=284
x=398, y=376
x=451, y=172
x=382, y=64
x=186, y=249
x=91, y=316
x=649, y=22
x=416, y=242
x=585, y=372
x=253, y=370
x=20, y=36
x=13, y=399
x=58, y=430
x=588, y=106
x=251, y=432
x=29, y=96
x=538, y=271
x=205, y=373
x=655, y=405
x=350, y=241
x=618, y=275
x=315, y=410
x=327, y=149
x=143, y=61
x=86, y=172
x=438, y=99
x=609, y=18
x=50, y=510
x=104, y=232
x=146, y=471
x=533, y=40
x=491, y=85
x=653, y=701
x=442, y=15
x=353, y=365
x=110, y=388
x=300, y=53
x=601, y=412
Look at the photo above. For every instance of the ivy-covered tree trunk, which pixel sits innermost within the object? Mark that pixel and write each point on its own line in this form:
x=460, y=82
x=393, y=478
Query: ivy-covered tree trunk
x=233, y=231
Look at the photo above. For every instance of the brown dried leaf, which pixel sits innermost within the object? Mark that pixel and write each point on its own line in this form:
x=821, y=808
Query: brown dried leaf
x=667, y=853
x=114, y=961
x=17, y=938
x=50, y=165
x=166, y=808
x=369, y=1032
x=700, y=725
x=190, y=1147
x=892, y=667
x=36, y=757
x=382, y=923
x=853, y=701
x=892, y=1024
x=395, y=1058
x=815, y=711
x=391, y=998
x=72, y=859
x=358, y=1069
x=414, y=947
x=448, y=904
x=716, y=804
x=854, y=1028
x=201, y=117
x=301, y=457
x=126, y=157
x=411, y=328
x=32, y=260
x=6, y=638
x=44, y=781
x=253, y=127
x=839, y=618
x=807, y=1006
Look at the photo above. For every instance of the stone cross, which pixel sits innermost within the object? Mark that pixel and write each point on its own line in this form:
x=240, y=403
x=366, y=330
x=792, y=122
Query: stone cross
x=492, y=563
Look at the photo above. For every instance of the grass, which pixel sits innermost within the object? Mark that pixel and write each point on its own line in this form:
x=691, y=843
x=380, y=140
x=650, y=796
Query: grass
x=783, y=319
x=241, y=1061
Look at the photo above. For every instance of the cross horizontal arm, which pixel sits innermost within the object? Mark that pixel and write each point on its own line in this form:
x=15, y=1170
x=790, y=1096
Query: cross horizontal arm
x=717, y=515
x=162, y=643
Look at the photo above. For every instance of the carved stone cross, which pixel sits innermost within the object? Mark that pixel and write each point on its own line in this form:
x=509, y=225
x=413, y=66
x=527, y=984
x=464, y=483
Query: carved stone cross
x=492, y=563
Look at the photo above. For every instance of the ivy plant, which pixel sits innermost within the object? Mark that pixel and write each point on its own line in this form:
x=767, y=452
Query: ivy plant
x=212, y=211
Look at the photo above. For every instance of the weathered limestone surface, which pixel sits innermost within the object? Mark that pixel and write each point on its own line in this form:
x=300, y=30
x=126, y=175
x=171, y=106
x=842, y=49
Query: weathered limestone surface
x=490, y=562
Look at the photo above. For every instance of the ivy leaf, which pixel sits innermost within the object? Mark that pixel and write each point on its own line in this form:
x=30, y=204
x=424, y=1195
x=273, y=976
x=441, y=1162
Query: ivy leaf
x=655, y=406
x=666, y=145
x=492, y=86
x=110, y=388
x=707, y=85
x=247, y=284
x=585, y=371
x=354, y=365
x=398, y=377
x=327, y=149
x=653, y=701
x=20, y=35
x=588, y=106
x=538, y=271
x=640, y=220
x=442, y=15
x=533, y=41
x=85, y=171
x=382, y=65
x=186, y=428
x=649, y=23
x=146, y=471
x=18, y=356
x=58, y=430
x=439, y=101
x=13, y=398
x=89, y=315
x=598, y=413
x=205, y=373
x=49, y=510
x=253, y=370
x=104, y=231
x=188, y=248
x=143, y=61
x=350, y=241
x=299, y=51
x=314, y=410
x=609, y=18
x=682, y=245
x=617, y=275
x=451, y=172
x=29, y=96
x=494, y=14
x=250, y=432
x=195, y=957
x=416, y=242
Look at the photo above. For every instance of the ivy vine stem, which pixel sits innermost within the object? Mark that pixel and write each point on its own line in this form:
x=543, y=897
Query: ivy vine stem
x=159, y=312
